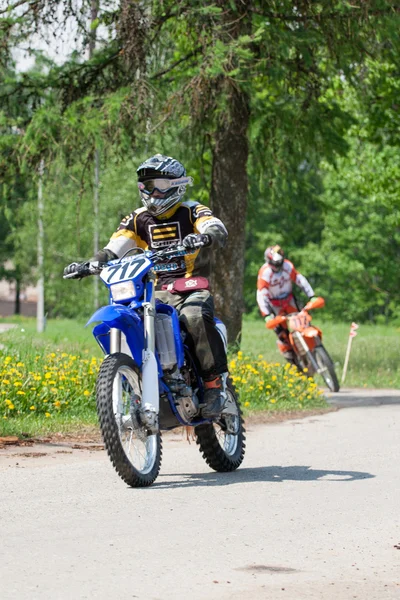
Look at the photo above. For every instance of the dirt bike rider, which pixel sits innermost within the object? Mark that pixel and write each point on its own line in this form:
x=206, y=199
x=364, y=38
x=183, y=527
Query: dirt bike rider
x=166, y=218
x=274, y=293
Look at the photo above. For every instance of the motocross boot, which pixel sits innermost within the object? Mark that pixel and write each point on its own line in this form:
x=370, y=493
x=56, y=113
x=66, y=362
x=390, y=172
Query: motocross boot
x=213, y=398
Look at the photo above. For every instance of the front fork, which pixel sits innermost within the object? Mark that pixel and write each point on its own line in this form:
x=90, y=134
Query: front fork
x=307, y=352
x=150, y=401
x=150, y=391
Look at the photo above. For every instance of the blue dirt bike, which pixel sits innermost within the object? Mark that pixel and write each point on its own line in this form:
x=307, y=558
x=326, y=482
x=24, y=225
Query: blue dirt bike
x=149, y=379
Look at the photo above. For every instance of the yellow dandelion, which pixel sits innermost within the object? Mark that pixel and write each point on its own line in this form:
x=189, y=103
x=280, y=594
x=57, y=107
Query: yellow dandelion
x=86, y=393
x=48, y=375
x=273, y=378
x=20, y=364
x=273, y=401
x=247, y=404
x=305, y=370
x=57, y=404
x=32, y=407
x=18, y=383
x=47, y=414
x=6, y=381
x=21, y=393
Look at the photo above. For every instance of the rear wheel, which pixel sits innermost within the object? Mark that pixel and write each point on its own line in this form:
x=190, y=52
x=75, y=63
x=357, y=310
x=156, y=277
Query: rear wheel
x=134, y=452
x=222, y=443
x=326, y=368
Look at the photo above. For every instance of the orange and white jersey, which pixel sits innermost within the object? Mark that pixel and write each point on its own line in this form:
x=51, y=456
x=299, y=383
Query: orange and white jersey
x=276, y=286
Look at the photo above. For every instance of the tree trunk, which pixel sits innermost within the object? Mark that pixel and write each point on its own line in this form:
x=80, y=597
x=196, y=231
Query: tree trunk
x=229, y=202
x=17, y=310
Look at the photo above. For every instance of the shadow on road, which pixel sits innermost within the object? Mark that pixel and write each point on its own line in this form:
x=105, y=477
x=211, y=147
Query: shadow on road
x=273, y=474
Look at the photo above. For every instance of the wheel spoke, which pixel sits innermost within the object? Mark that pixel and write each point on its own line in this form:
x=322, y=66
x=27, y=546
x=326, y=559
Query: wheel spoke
x=139, y=448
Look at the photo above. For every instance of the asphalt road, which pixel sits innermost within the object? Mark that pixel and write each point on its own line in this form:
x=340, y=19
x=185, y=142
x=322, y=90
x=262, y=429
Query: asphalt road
x=314, y=513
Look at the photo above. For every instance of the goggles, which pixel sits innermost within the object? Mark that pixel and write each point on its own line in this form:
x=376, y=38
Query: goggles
x=162, y=185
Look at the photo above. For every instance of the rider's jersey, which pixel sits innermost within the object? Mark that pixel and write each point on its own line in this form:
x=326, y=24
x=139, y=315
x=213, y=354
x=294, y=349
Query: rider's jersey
x=144, y=230
x=277, y=286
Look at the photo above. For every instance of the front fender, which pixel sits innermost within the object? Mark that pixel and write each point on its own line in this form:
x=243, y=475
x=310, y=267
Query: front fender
x=121, y=317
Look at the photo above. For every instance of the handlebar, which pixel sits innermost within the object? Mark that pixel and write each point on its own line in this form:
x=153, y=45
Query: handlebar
x=86, y=269
x=318, y=302
x=94, y=268
x=171, y=252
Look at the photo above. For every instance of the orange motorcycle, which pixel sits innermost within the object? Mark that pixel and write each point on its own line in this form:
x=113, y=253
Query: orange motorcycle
x=306, y=341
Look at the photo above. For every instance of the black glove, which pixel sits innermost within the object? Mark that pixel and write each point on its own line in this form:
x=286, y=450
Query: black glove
x=75, y=270
x=196, y=240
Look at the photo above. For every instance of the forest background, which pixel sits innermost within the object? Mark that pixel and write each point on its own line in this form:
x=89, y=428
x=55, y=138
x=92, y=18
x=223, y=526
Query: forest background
x=286, y=114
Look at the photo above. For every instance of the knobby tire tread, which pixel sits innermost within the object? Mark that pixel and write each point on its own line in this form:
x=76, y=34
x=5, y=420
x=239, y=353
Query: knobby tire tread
x=212, y=452
x=330, y=366
x=109, y=428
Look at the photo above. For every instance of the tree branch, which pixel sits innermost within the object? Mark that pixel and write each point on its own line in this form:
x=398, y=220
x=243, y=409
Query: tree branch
x=178, y=62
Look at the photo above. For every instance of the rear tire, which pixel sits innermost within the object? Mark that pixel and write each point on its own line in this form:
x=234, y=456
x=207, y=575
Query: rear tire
x=325, y=362
x=135, y=454
x=223, y=451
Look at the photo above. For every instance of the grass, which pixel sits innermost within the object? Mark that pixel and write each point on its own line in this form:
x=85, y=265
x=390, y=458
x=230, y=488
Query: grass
x=33, y=425
x=66, y=334
x=374, y=362
x=374, y=358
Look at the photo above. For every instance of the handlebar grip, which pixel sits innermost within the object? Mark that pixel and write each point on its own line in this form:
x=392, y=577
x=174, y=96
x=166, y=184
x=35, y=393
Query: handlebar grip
x=275, y=322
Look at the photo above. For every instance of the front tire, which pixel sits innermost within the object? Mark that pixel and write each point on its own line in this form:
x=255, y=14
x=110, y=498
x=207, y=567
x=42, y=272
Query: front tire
x=223, y=451
x=135, y=454
x=325, y=363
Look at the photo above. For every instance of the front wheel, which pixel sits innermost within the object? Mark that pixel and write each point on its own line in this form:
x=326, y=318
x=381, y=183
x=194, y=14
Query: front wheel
x=223, y=443
x=326, y=368
x=134, y=452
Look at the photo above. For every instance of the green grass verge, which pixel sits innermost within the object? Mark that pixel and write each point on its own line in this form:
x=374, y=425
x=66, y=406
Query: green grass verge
x=34, y=425
x=374, y=358
x=373, y=363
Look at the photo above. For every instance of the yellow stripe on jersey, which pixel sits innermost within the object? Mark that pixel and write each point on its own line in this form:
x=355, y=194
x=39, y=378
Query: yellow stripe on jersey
x=126, y=233
x=200, y=221
x=190, y=259
x=131, y=235
x=162, y=236
x=161, y=229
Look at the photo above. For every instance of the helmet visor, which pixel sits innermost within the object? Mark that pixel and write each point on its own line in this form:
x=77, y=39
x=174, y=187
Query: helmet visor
x=162, y=185
x=275, y=260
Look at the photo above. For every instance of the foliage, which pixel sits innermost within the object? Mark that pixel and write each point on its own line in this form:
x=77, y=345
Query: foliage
x=319, y=84
x=374, y=354
x=46, y=383
x=272, y=386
